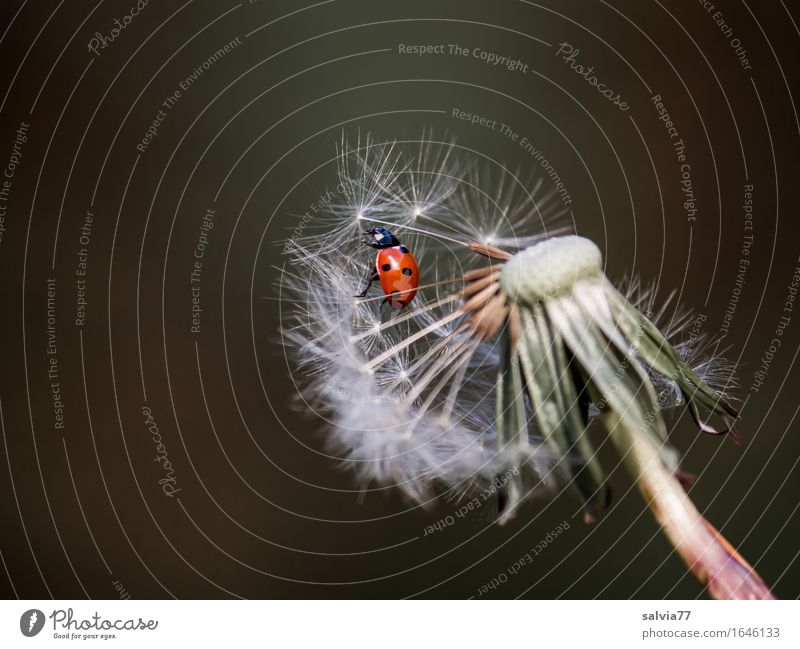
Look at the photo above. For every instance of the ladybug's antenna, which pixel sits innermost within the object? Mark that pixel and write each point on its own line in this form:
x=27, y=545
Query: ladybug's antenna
x=421, y=231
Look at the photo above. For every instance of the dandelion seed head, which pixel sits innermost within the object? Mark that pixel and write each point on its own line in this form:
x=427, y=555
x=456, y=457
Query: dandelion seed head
x=416, y=398
x=550, y=267
x=513, y=209
x=375, y=428
x=435, y=423
x=515, y=344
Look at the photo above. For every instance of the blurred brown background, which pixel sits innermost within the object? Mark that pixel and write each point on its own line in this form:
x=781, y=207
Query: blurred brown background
x=256, y=509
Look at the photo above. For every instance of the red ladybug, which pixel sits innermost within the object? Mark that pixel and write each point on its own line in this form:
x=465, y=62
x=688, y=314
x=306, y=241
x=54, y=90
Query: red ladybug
x=395, y=267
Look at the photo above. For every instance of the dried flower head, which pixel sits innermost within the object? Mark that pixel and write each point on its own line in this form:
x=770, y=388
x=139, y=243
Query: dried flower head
x=515, y=342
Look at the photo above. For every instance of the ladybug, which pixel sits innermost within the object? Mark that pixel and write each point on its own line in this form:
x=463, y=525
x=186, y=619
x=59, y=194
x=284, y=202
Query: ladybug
x=395, y=267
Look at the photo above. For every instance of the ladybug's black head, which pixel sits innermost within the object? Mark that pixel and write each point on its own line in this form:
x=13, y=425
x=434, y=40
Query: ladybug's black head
x=381, y=238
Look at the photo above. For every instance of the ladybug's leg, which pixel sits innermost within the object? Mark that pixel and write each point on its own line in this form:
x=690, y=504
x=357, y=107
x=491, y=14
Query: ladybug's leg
x=372, y=275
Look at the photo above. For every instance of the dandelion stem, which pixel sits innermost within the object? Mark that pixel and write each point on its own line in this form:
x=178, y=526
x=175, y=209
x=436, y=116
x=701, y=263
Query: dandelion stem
x=709, y=556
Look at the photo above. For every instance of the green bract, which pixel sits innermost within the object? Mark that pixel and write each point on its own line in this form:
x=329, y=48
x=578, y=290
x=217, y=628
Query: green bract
x=579, y=342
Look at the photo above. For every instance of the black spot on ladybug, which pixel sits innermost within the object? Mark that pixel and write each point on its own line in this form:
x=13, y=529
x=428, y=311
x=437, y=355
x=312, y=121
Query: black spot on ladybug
x=403, y=249
x=386, y=267
x=395, y=295
x=407, y=271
